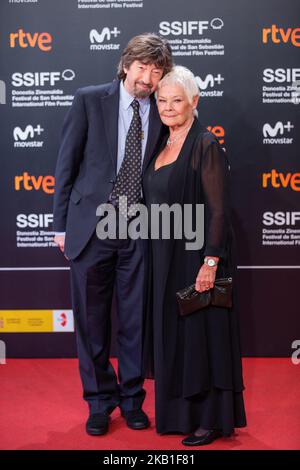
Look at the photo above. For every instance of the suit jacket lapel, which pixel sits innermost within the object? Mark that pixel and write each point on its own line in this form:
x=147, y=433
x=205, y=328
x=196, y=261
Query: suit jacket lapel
x=110, y=107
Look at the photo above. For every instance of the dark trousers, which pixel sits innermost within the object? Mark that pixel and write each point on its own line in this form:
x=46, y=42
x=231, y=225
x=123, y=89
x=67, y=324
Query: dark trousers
x=102, y=265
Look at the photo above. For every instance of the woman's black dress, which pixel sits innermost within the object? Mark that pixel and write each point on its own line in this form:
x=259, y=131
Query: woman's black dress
x=199, y=395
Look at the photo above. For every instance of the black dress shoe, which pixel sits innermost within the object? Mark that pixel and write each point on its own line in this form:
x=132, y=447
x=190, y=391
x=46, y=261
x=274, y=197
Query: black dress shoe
x=136, y=419
x=204, y=440
x=97, y=424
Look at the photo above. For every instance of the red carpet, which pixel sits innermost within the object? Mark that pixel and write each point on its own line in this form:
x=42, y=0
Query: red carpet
x=41, y=408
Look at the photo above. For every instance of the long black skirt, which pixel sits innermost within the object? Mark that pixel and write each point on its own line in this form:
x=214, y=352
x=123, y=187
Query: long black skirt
x=207, y=401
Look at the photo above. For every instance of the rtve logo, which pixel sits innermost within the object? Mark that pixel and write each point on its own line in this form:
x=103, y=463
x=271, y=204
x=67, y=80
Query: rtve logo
x=281, y=180
x=42, y=40
x=29, y=182
x=209, y=80
x=219, y=132
x=106, y=33
x=279, y=35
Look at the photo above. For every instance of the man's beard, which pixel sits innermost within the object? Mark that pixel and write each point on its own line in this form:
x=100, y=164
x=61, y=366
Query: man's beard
x=139, y=93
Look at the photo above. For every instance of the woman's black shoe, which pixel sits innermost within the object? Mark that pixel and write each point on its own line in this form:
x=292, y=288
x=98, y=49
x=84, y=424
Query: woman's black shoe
x=204, y=440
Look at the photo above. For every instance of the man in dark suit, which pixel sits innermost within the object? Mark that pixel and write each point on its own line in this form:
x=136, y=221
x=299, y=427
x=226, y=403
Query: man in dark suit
x=108, y=137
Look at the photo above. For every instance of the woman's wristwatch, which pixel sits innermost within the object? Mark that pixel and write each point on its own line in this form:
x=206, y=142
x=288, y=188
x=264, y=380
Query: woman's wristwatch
x=210, y=261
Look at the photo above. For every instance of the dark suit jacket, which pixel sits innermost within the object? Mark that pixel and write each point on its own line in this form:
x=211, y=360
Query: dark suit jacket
x=87, y=161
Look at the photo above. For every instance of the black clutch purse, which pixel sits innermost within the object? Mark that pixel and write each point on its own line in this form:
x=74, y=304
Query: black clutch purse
x=190, y=300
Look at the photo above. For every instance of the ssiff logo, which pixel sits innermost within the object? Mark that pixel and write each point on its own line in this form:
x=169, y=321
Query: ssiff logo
x=188, y=28
x=30, y=79
x=270, y=133
x=97, y=39
x=42, y=40
x=281, y=75
x=34, y=220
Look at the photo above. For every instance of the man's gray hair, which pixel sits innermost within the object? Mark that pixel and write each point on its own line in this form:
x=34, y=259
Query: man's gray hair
x=183, y=77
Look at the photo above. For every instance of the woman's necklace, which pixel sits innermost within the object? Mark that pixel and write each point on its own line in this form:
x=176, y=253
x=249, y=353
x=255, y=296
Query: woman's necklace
x=179, y=135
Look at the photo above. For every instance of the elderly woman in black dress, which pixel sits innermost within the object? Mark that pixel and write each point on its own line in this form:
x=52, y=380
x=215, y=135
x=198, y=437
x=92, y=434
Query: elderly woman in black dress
x=195, y=359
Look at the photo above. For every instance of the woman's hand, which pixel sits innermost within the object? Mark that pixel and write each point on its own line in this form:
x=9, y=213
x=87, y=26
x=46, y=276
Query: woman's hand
x=206, y=278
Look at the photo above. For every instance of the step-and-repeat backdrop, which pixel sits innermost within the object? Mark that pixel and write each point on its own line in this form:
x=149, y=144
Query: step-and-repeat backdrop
x=245, y=56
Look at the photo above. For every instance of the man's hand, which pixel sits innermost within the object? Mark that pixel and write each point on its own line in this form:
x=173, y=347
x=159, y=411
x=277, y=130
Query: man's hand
x=60, y=242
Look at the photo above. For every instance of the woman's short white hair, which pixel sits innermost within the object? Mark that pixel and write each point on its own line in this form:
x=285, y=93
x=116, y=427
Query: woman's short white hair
x=182, y=76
